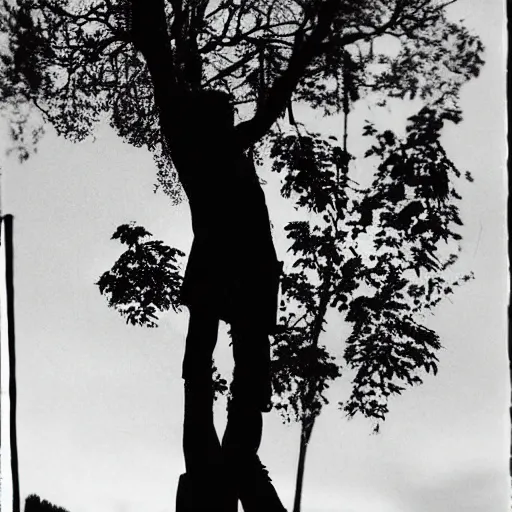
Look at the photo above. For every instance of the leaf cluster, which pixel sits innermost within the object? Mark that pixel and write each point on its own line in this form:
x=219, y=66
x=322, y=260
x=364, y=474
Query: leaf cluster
x=302, y=372
x=411, y=214
x=315, y=178
x=146, y=278
x=407, y=222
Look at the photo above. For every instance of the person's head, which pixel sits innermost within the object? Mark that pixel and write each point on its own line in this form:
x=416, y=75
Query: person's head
x=221, y=106
x=214, y=109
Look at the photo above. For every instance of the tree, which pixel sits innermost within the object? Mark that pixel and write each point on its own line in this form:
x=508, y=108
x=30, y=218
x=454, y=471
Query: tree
x=134, y=63
x=405, y=223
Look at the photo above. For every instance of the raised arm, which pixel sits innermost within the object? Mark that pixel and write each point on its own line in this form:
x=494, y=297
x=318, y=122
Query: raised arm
x=305, y=50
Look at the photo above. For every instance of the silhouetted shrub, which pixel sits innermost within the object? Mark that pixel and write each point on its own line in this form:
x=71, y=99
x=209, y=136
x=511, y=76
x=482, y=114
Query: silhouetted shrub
x=34, y=503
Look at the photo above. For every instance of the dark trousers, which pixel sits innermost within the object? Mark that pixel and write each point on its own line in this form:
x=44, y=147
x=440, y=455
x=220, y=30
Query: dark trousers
x=250, y=392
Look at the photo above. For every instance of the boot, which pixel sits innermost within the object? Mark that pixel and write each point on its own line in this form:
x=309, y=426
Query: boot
x=201, y=494
x=253, y=485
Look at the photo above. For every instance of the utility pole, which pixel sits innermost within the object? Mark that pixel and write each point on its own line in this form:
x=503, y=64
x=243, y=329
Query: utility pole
x=7, y=330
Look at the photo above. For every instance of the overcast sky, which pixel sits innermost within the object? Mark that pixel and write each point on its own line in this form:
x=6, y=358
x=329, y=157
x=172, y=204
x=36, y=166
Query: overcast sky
x=100, y=402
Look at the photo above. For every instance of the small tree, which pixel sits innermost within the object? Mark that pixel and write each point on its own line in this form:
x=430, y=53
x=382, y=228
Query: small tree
x=405, y=222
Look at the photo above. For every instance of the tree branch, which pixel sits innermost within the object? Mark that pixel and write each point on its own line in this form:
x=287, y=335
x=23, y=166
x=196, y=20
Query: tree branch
x=232, y=68
x=150, y=37
x=224, y=42
x=303, y=54
x=280, y=93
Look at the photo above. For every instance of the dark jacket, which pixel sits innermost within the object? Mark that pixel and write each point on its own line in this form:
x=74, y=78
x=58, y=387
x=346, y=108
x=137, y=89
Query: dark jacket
x=232, y=269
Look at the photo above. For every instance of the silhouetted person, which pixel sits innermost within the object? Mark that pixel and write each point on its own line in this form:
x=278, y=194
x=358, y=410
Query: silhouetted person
x=232, y=275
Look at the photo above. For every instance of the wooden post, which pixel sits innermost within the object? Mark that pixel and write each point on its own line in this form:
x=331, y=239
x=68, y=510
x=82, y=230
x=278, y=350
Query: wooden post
x=8, y=308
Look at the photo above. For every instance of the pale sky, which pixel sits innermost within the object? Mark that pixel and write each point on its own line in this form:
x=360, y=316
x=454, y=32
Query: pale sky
x=100, y=402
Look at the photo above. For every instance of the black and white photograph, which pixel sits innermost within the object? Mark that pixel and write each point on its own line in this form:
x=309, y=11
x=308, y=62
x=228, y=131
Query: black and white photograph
x=254, y=256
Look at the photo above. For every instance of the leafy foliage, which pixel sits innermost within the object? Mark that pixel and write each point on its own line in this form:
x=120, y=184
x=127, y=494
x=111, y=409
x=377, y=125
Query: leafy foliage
x=302, y=371
x=220, y=384
x=380, y=256
x=34, y=503
x=309, y=160
x=78, y=63
x=315, y=176
x=412, y=214
x=145, y=279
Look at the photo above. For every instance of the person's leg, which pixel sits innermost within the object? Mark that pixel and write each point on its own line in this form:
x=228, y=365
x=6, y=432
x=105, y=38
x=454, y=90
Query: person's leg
x=203, y=487
x=250, y=390
x=251, y=394
x=201, y=445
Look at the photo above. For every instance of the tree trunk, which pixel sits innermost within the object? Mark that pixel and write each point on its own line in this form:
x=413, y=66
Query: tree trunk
x=325, y=297
x=309, y=423
x=305, y=436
